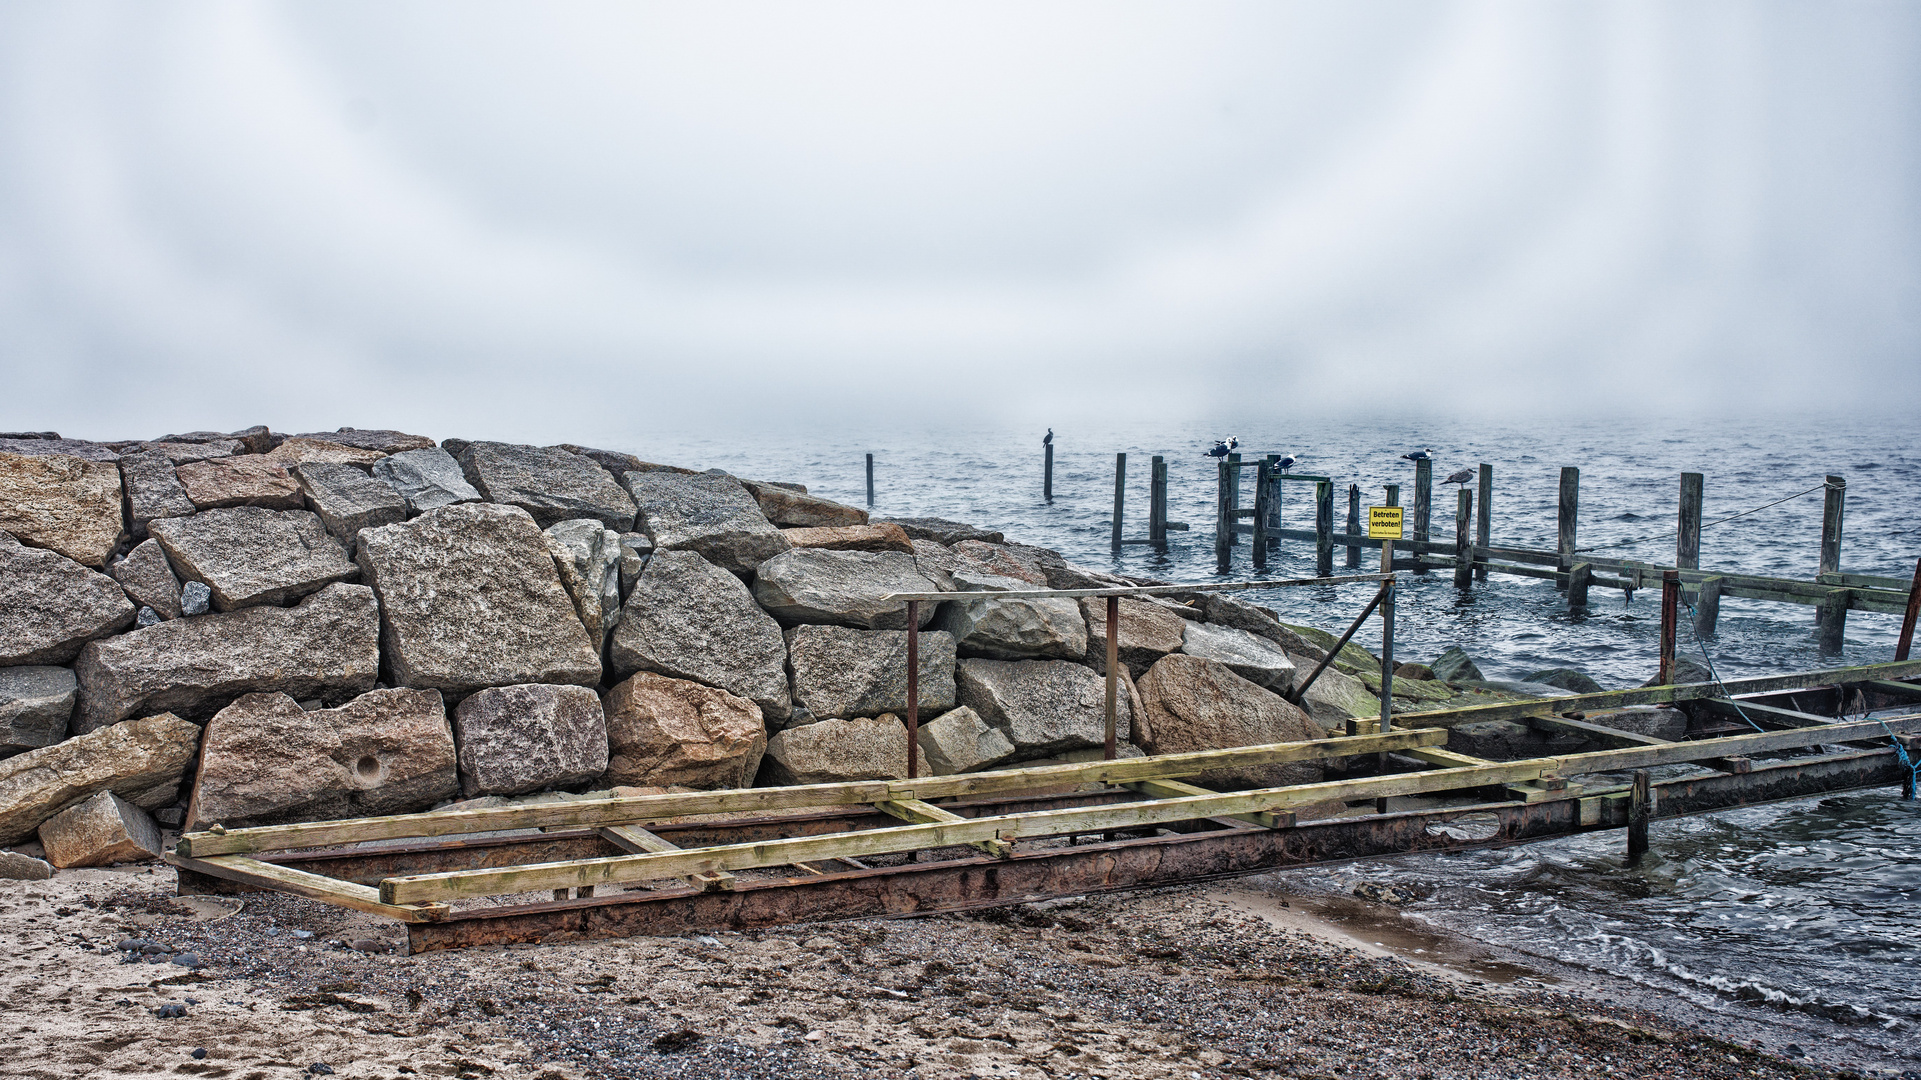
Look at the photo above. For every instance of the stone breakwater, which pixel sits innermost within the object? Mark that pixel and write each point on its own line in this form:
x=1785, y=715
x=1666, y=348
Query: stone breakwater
x=252, y=628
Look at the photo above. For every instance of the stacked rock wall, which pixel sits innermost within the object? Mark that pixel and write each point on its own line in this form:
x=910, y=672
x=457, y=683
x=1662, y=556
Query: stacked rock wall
x=248, y=628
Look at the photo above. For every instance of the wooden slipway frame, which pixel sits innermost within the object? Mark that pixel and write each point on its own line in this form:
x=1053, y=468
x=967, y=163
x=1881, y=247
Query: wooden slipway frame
x=762, y=857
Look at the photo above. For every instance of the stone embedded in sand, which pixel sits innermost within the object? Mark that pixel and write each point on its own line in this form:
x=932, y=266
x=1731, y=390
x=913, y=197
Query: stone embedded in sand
x=587, y=554
x=838, y=751
x=384, y=440
x=36, y=704
x=547, y=482
x=959, y=741
x=240, y=481
x=301, y=450
x=842, y=672
x=50, y=605
x=1043, y=706
x=327, y=647
x=143, y=761
x=851, y=538
x=1147, y=633
x=65, y=504
x=1250, y=656
x=663, y=731
x=689, y=619
x=348, y=500
x=153, y=490
x=1195, y=704
x=250, y=556
x=516, y=739
x=265, y=760
x=704, y=513
x=842, y=587
x=787, y=507
x=15, y=866
x=427, y=479
x=470, y=598
x=101, y=831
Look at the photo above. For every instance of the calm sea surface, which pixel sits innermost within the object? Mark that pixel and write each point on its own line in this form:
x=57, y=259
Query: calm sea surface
x=1811, y=907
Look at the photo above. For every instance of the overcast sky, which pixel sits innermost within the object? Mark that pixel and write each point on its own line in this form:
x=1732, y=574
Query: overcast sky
x=552, y=217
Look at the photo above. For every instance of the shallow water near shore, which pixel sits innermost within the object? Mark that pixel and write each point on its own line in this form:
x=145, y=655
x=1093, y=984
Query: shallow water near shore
x=1808, y=911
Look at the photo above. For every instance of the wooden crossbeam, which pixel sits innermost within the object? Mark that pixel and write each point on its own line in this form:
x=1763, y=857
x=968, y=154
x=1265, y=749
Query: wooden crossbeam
x=1448, y=758
x=1768, y=716
x=1612, y=736
x=638, y=841
x=599, y=812
x=1176, y=789
x=922, y=813
x=313, y=886
x=1899, y=691
x=494, y=881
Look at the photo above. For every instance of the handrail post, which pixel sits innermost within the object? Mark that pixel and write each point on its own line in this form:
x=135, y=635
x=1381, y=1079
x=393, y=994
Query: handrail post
x=1113, y=672
x=913, y=689
x=1670, y=612
x=1387, y=656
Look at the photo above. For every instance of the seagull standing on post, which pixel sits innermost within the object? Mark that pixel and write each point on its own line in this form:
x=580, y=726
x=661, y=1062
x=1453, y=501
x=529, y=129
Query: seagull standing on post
x=1422, y=454
x=1224, y=447
x=1461, y=477
x=1287, y=462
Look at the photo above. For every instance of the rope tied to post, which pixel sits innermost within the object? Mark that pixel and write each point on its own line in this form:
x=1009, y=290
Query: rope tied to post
x=1901, y=754
x=1671, y=533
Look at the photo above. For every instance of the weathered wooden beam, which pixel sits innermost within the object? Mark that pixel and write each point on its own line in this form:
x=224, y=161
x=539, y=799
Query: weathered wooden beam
x=1483, y=517
x=1463, y=540
x=1611, y=736
x=1323, y=528
x=1579, y=577
x=1567, y=515
x=1707, y=606
x=1899, y=691
x=1434, y=755
x=312, y=886
x=1175, y=789
x=1157, y=503
x=1120, y=497
x=638, y=841
x=920, y=813
x=1687, y=533
x=1423, y=503
x=600, y=812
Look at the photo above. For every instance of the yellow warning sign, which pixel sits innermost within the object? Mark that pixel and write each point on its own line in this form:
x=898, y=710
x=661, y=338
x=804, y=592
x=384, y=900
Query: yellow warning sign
x=1384, y=523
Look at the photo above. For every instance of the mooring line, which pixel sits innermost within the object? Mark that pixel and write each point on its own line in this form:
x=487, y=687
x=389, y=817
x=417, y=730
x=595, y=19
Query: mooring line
x=1908, y=763
x=1714, y=675
x=1705, y=525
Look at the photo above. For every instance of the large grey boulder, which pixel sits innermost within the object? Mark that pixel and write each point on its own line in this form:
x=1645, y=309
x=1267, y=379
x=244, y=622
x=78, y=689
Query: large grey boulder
x=250, y=556
x=663, y=731
x=148, y=578
x=50, y=605
x=1011, y=629
x=470, y=598
x=547, y=482
x=1573, y=680
x=383, y=440
x=587, y=554
x=142, y=761
x=959, y=741
x=1147, y=632
x=789, y=508
x=842, y=672
x=943, y=531
x=251, y=480
x=427, y=479
x=1253, y=658
x=1337, y=697
x=708, y=514
x=36, y=703
x=1455, y=665
x=347, y=499
x=851, y=538
x=1043, y=706
x=187, y=451
x=1194, y=704
x=327, y=647
x=811, y=585
x=689, y=619
x=265, y=760
x=103, y=830
x=56, y=446
x=153, y=490
x=837, y=751
x=516, y=739
x=65, y=504
x=1020, y=563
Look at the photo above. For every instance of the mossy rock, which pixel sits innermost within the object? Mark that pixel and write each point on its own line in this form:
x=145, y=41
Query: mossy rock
x=1414, y=689
x=1352, y=659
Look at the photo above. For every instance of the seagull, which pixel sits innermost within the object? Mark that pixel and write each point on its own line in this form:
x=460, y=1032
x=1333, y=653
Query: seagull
x=1461, y=477
x=1224, y=446
x=1420, y=455
x=1049, y=440
x=1286, y=463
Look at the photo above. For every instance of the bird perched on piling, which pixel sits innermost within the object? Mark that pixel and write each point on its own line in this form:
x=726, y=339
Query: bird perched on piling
x=1049, y=439
x=1422, y=454
x=1461, y=477
x=1287, y=462
x=1226, y=446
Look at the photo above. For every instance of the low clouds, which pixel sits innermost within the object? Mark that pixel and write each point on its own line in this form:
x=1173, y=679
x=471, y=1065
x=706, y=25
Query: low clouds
x=542, y=220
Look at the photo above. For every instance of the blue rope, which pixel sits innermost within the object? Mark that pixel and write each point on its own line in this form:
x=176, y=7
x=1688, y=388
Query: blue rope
x=1715, y=675
x=1908, y=763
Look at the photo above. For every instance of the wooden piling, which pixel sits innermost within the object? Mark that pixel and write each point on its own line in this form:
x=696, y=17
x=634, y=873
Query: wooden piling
x=1579, y=577
x=1272, y=482
x=1463, y=542
x=1640, y=808
x=1567, y=512
x=1233, y=499
x=1423, y=504
x=1906, y=641
x=1323, y=527
x=1223, y=521
x=1263, y=493
x=1484, y=517
x=1157, y=503
x=1670, y=614
x=1707, y=607
x=1833, y=622
x=1832, y=510
x=870, y=480
x=1687, y=533
x=1047, y=474
x=913, y=689
x=1354, y=526
x=1120, y=497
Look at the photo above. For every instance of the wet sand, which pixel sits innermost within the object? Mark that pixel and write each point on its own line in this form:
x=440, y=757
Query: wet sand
x=1190, y=982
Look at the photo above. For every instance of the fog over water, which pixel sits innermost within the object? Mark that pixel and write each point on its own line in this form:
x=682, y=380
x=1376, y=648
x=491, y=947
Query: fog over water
x=538, y=221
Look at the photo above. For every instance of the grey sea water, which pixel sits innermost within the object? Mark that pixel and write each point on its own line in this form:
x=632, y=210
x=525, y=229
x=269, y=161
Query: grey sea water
x=1810, y=909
